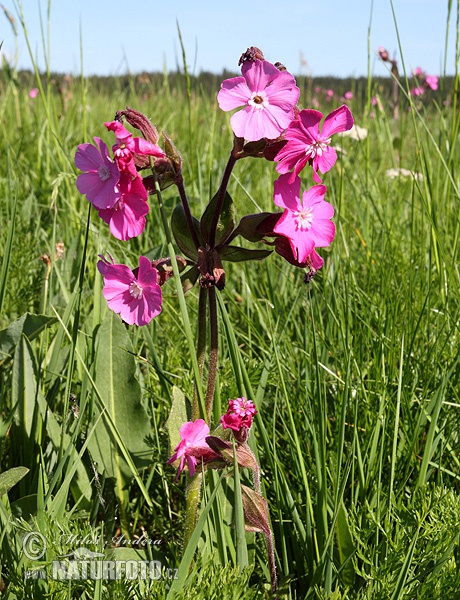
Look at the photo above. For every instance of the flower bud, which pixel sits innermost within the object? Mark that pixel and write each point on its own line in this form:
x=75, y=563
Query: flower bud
x=139, y=121
x=384, y=54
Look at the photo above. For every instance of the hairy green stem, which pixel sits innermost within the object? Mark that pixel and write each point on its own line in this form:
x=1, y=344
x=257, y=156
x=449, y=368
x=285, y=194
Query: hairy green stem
x=192, y=499
x=201, y=347
x=213, y=352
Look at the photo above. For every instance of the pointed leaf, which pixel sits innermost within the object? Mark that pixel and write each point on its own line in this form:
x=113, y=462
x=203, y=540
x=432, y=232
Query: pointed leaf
x=120, y=393
x=189, y=278
x=11, y=477
x=181, y=233
x=29, y=325
x=237, y=254
x=249, y=226
x=226, y=221
x=24, y=388
x=177, y=417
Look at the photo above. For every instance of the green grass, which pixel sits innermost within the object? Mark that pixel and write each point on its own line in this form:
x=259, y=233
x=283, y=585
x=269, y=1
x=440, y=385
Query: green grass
x=355, y=375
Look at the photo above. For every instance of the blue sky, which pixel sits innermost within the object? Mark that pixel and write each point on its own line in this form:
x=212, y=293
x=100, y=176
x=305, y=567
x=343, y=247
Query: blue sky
x=317, y=37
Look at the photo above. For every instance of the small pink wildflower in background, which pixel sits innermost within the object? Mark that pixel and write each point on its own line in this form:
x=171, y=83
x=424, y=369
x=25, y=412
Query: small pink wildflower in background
x=417, y=91
x=432, y=81
x=306, y=144
x=137, y=299
x=126, y=219
x=33, y=93
x=193, y=447
x=100, y=180
x=417, y=72
x=305, y=222
x=239, y=414
x=348, y=95
x=383, y=53
x=268, y=96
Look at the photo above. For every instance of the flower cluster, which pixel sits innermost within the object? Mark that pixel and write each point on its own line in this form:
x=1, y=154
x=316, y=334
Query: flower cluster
x=424, y=82
x=198, y=448
x=114, y=186
x=268, y=125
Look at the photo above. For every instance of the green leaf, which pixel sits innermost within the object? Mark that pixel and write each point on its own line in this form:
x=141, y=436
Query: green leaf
x=248, y=225
x=11, y=477
x=29, y=325
x=237, y=254
x=181, y=233
x=226, y=222
x=24, y=389
x=189, y=278
x=177, y=417
x=120, y=394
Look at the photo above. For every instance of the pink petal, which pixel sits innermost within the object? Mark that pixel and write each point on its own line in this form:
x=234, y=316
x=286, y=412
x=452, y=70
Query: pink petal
x=308, y=121
x=326, y=161
x=323, y=232
x=338, y=120
x=259, y=74
x=233, y=93
x=314, y=194
x=286, y=194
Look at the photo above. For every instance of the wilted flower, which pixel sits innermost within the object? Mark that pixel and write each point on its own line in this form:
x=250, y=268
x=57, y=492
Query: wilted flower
x=136, y=298
x=268, y=96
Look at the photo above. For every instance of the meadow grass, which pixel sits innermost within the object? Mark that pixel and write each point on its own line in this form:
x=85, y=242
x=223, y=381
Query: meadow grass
x=355, y=375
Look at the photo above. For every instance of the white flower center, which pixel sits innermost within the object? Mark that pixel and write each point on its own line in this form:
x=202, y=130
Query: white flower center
x=304, y=218
x=317, y=148
x=104, y=173
x=258, y=100
x=135, y=290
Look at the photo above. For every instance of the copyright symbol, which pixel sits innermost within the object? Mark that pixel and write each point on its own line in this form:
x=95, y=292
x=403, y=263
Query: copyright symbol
x=34, y=545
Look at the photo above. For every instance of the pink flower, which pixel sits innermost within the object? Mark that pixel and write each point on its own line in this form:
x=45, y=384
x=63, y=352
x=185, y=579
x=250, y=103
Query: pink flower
x=136, y=298
x=239, y=414
x=306, y=223
x=306, y=144
x=126, y=218
x=384, y=54
x=100, y=181
x=127, y=145
x=432, y=81
x=418, y=72
x=268, y=96
x=348, y=95
x=33, y=93
x=193, y=447
x=417, y=91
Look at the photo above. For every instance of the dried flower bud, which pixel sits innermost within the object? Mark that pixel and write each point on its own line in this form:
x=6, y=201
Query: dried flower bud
x=165, y=269
x=251, y=55
x=139, y=121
